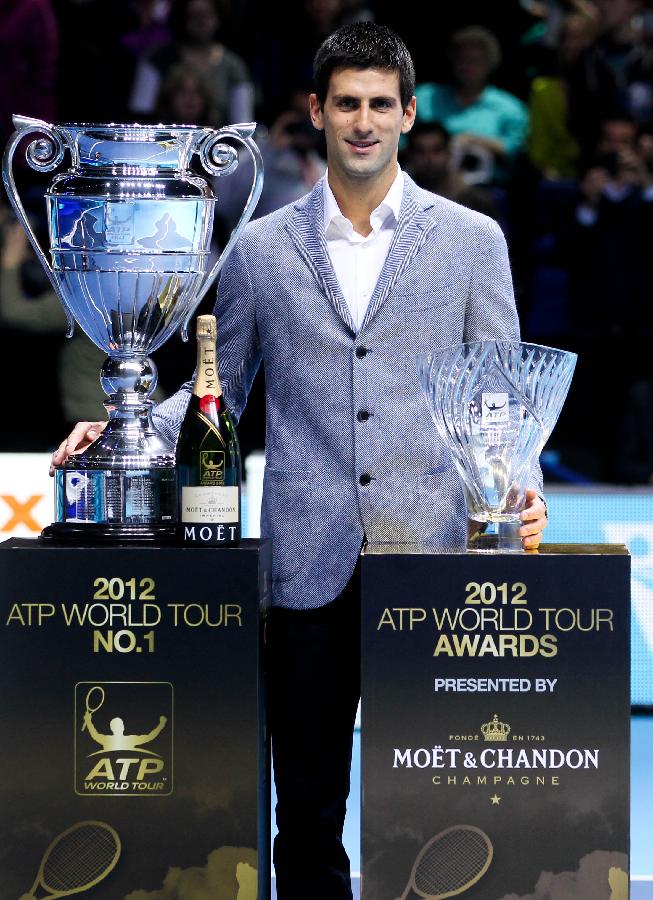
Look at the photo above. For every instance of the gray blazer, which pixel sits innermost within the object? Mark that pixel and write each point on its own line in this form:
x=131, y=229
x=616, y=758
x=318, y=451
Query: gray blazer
x=446, y=280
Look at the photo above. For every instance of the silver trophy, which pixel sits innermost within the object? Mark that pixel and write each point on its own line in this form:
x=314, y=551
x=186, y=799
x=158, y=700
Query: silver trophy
x=130, y=231
x=494, y=403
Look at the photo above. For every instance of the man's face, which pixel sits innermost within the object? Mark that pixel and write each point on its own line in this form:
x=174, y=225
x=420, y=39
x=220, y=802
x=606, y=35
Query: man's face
x=617, y=136
x=187, y=100
x=576, y=36
x=471, y=66
x=362, y=120
x=202, y=20
x=429, y=156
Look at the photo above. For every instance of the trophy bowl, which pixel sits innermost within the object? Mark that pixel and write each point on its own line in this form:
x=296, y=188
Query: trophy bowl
x=494, y=404
x=130, y=227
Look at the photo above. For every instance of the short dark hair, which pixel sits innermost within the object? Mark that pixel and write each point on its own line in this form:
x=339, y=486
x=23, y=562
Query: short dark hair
x=364, y=45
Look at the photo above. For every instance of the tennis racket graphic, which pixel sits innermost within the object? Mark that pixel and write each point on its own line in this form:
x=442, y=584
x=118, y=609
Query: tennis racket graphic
x=450, y=863
x=76, y=860
x=94, y=700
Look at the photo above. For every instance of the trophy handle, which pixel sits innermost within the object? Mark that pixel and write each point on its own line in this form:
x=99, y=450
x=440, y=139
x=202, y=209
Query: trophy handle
x=43, y=155
x=221, y=159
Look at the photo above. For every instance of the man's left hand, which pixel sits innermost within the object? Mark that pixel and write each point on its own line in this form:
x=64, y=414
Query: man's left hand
x=534, y=520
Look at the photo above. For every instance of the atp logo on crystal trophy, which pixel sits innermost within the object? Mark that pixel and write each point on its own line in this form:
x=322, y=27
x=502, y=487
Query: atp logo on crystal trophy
x=124, y=738
x=495, y=409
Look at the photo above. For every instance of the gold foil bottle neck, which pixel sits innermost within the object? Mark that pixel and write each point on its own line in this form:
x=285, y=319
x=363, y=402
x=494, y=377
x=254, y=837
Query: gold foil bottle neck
x=207, y=328
x=207, y=378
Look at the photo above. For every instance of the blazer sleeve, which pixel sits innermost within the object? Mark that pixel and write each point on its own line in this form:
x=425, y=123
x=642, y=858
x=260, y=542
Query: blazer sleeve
x=238, y=347
x=491, y=313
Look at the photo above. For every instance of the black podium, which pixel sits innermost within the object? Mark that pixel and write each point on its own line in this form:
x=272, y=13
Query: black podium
x=495, y=724
x=132, y=697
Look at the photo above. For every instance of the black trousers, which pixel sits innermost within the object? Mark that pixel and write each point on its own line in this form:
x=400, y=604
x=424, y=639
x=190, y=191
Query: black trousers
x=313, y=693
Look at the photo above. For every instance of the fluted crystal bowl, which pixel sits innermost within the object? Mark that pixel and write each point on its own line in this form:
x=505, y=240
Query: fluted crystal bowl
x=494, y=404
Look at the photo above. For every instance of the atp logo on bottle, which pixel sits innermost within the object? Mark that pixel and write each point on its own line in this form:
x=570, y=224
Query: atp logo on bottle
x=212, y=467
x=124, y=738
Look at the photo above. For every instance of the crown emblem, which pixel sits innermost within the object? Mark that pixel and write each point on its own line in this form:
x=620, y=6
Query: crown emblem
x=495, y=730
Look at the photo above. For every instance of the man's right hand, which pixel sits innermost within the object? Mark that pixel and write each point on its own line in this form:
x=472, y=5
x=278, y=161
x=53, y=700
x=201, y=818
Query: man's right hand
x=82, y=435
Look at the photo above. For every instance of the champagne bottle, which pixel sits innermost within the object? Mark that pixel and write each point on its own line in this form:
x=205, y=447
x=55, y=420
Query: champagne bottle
x=208, y=455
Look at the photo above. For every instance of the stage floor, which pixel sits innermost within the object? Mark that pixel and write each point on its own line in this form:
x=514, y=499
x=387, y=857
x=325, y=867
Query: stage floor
x=641, y=859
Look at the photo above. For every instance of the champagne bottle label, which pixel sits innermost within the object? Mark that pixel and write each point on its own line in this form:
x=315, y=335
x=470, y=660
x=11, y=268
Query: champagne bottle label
x=209, y=504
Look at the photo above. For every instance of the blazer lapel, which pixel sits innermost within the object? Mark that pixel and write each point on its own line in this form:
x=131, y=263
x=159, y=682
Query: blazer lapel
x=306, y=228
x=412, y=230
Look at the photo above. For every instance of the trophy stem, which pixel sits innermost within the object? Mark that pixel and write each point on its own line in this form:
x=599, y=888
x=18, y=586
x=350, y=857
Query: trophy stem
x=494, y=537
x=129, y=440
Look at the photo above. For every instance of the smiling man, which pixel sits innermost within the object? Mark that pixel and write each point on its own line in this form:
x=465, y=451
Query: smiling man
x=363, y=115
x=337, y=294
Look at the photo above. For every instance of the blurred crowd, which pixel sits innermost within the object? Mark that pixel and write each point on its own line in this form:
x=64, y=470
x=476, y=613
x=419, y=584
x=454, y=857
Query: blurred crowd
x=539, y=114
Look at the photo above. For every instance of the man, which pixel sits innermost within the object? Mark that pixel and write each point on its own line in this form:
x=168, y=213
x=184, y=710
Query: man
x=428, y=159
x=337, y=293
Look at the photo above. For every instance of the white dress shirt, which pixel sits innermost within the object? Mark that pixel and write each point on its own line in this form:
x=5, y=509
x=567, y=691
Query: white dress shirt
x=358, y=260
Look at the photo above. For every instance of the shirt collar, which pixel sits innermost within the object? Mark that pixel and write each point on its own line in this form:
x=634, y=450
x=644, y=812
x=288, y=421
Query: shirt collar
x=390, y=205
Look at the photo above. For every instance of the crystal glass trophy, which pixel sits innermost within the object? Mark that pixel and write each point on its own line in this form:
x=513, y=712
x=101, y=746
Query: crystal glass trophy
x=494, y=404
x=130, y=228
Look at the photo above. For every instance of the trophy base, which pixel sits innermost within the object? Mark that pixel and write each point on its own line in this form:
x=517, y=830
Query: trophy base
x=105, y=505
x=494, y=537
x=94, y=534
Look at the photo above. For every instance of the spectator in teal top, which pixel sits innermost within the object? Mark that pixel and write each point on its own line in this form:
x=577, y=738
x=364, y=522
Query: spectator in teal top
x=487, y=123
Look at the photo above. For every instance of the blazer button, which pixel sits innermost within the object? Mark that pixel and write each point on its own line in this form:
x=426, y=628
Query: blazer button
x=365, y=479
x=362, y=415
x=361, y=352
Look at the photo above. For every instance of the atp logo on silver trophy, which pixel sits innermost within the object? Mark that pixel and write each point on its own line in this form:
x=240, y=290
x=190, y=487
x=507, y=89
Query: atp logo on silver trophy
x=124, y=738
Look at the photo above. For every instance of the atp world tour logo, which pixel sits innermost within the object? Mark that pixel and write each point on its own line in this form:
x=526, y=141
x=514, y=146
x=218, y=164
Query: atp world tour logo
x=212, y=466
x=123, y=738
x=495, y=409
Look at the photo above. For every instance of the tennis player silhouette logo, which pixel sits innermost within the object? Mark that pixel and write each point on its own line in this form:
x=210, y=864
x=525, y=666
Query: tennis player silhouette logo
x=117, y=739
x=495, y=408
x=124, y=738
